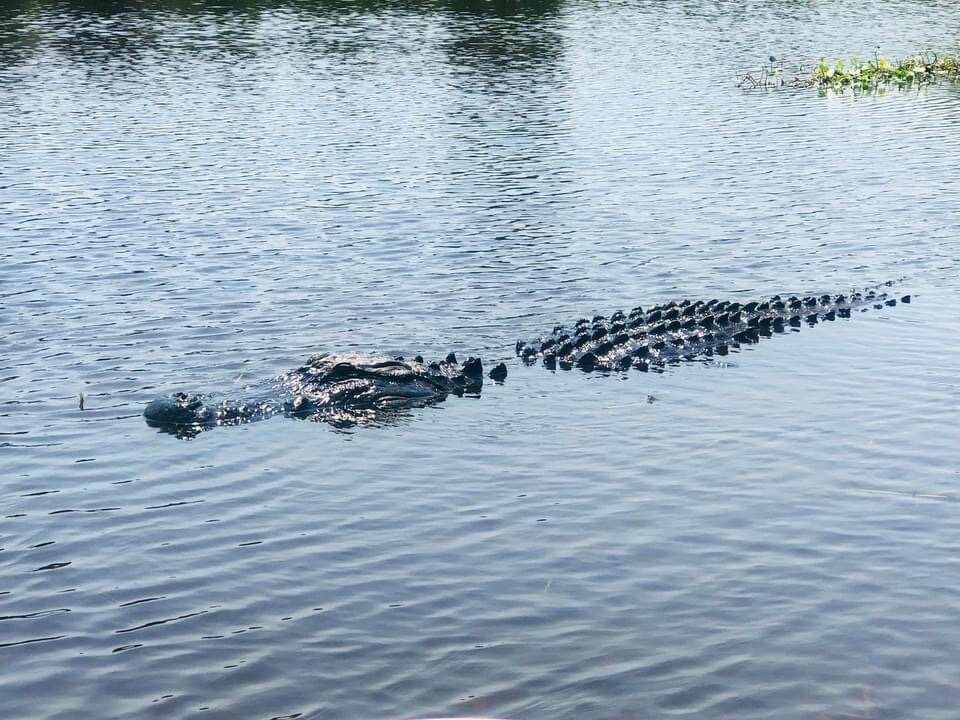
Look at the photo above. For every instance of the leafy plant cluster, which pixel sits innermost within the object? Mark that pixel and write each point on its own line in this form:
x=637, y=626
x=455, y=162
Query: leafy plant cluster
x=875, y=74
x=919, y=69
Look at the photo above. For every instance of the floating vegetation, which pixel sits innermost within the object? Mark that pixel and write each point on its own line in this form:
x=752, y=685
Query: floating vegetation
x=871, y=75
x=770, y=75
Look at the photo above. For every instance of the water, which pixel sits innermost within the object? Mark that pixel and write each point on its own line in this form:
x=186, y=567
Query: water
x=197, y=197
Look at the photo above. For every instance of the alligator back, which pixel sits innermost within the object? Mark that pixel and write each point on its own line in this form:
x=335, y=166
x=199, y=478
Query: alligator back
x=687, y=330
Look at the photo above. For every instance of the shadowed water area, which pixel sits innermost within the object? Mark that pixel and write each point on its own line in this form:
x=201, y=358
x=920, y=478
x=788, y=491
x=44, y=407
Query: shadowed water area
x=197, y=197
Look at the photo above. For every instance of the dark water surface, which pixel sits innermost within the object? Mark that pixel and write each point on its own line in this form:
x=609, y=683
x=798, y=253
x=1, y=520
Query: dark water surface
x=198, y=197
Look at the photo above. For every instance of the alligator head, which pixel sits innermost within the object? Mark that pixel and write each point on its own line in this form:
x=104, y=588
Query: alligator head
x=343, y=389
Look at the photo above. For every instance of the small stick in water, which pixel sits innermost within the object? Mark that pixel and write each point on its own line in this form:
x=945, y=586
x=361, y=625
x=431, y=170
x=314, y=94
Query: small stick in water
x=81, y=401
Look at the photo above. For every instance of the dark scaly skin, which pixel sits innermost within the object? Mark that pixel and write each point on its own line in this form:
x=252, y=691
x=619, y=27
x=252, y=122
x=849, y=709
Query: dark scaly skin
x=343, y=389
x=677, y=331
x=347, y=389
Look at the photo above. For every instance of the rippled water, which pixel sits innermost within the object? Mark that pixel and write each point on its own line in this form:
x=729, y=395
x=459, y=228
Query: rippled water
x=197, y=197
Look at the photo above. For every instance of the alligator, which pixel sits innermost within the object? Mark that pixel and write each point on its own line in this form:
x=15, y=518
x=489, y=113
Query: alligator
x=347, y=389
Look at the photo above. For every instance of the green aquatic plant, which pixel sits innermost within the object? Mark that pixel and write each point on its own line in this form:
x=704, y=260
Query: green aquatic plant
x=872, y=75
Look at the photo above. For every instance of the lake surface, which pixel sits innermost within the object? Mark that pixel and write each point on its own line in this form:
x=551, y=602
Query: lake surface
x=197, y=197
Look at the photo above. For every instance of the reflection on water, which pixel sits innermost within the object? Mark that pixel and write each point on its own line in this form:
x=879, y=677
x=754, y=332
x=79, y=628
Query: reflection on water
x=195, y=196
x=487, y=34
